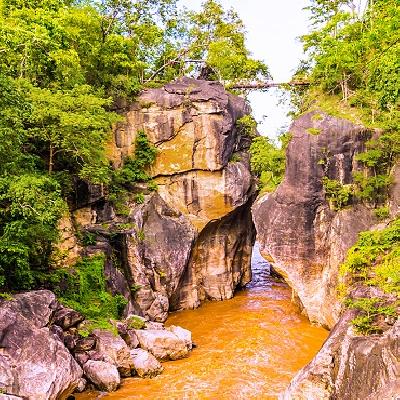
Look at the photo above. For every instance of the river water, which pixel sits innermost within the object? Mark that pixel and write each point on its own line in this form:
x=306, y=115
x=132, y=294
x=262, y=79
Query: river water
x=248, y=347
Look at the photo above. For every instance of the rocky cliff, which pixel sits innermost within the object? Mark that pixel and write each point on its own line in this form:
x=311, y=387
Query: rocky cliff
x=191, y=239
x=306, y=239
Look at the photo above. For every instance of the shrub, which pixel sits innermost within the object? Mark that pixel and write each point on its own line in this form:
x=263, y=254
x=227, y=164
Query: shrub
x=382, y=212
x=84, y=289
x=247, y=126
x=139, y=198
x=373, y=260
x=338, y=195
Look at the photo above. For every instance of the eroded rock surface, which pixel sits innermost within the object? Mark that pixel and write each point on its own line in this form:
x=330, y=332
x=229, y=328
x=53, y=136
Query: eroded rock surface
x=145, y=364
x=191, y=240
x=351, y=367
x=103, y=374
x=297, y=229
x=34, y=362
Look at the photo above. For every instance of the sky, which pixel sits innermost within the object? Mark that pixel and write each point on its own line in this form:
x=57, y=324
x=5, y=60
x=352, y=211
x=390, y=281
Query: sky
x=273, y=27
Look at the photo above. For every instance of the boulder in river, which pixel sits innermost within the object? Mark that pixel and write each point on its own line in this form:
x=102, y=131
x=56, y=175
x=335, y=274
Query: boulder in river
x=145, y=364
x=103, y=374
x=163, y=344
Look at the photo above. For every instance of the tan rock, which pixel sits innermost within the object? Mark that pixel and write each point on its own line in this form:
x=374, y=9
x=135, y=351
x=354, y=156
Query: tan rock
x=145, y=364
x=103, y=374
x=163, y=344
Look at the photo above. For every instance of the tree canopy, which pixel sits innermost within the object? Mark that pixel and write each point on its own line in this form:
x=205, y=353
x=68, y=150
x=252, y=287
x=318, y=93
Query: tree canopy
x=66, y=66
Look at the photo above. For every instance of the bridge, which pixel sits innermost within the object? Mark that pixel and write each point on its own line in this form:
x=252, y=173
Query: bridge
x=260, y=85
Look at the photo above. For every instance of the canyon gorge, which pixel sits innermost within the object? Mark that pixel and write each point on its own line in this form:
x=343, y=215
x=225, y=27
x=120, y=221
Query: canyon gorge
x=186, y=242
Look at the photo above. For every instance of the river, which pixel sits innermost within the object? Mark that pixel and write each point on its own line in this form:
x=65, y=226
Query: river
x=248, y=347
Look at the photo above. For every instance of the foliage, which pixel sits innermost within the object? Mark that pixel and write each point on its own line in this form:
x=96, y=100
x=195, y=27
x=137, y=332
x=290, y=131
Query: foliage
x=268, y=161
x=88, y=238
x=84, y=289
x=247, y=126
x=369, y=309
x=352, y=65
x=338, y=195
x=30, y=206
x=235, y=157
x=135, y=322
x=218, y=37
x=139, y=198
x=314, y=131
x=133, y=170
x=382, y=212
x=374, y=260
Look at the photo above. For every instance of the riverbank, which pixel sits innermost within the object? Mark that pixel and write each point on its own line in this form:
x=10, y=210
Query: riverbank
x=249, y=347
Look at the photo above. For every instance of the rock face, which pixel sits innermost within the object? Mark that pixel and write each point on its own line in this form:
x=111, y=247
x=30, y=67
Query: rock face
x=351, y=367
x=34, y=363
x=296, y=228
x=191, y=240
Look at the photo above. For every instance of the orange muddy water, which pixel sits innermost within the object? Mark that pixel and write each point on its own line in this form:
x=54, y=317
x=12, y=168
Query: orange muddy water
x=248, y=347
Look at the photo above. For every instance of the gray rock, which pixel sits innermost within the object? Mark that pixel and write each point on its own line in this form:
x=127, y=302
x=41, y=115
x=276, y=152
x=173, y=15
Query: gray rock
x=145, y=364
x=67, y=318
x=305, y=239
x=351, y=367
x=163, y=344
x=37, y=306
x=104, y=375
x=131, y=339
x=33, y=363
x=114, y=348
x=154, y=325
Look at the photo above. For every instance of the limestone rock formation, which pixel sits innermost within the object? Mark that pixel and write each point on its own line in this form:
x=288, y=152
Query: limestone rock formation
x=307, y=240
x=191, y=240
x=351, y=367
x=33, y=361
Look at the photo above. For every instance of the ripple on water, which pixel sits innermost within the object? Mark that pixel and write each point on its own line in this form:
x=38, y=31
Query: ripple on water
x=249, y=347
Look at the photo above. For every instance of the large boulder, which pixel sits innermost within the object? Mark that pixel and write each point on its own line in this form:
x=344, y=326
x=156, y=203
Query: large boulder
x=103, y=374
x=163, y=344
x=114, y=350
x=34, y=363
x=298, y=231
x=145, y=364
x=351, y=367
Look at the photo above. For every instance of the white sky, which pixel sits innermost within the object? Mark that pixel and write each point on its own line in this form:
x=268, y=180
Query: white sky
x=272, y=30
